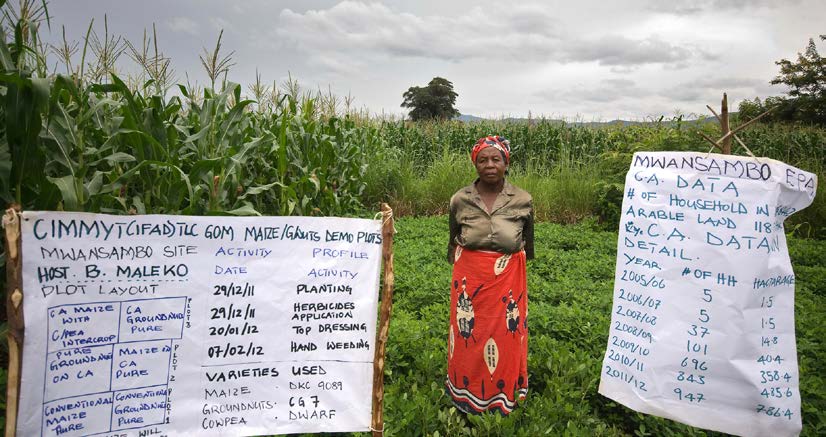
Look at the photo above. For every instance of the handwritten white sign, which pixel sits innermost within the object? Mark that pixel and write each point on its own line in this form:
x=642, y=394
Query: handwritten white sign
x=702, y=326
x=209, y=326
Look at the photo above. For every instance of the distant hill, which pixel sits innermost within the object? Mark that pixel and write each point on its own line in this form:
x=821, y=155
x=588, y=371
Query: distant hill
x=467, y=118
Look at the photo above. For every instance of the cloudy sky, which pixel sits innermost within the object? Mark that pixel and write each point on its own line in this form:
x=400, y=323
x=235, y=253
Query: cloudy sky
x=586, y=59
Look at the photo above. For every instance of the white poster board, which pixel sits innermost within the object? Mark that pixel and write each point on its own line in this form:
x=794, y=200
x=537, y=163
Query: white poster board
x=702, y=325
x=209, y=326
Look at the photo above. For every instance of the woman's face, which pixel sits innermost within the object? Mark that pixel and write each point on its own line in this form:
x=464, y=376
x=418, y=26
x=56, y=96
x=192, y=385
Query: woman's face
x=490, y=165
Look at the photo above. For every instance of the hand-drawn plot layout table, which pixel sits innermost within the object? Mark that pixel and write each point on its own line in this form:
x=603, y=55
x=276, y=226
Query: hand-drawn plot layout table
x=112, y=358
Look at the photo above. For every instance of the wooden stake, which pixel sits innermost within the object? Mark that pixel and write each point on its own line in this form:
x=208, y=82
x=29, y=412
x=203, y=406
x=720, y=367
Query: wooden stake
x=705, y=137
x=739, y=128
x=14, y=312
x=384, y=320
x=724, y=126
x=736, y=138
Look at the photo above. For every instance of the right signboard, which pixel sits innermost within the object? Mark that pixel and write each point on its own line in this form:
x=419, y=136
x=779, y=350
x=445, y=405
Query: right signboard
x=702, y=324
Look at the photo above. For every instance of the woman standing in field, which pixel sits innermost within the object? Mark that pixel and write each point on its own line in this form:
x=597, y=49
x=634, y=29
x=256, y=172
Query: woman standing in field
x=491, y=237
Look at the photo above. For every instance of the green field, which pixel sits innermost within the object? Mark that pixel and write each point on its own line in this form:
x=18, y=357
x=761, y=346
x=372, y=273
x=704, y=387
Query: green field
x=92, y=141
x=112, y=149
x=571, y=287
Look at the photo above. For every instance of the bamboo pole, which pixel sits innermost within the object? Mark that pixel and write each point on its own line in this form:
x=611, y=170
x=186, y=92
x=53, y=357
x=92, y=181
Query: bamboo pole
x=720, y=120
x=732, y=133
x=387, y=231
x=14, y=312
x=724, y=126
x=737, y=129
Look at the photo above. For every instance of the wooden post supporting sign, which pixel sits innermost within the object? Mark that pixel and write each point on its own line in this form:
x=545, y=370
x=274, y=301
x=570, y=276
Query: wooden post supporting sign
x=724, y=126
x=724, y=143
x=14, y=312
x=387, y=231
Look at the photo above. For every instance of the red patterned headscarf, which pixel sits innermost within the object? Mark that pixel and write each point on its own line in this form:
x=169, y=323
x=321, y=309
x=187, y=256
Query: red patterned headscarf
x=500, y=143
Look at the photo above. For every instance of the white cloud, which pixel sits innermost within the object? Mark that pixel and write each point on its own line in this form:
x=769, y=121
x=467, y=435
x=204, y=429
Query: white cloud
x=219, y=23
x=701, y=6
x=604, y=91
x=520, y=34
x=616, y=50
x=183, y=25
x=619, y=92
x=358, y=28
x=710, y=88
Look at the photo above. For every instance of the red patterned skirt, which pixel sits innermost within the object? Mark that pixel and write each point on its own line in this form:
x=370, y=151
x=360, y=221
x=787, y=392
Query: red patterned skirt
x=487, y=368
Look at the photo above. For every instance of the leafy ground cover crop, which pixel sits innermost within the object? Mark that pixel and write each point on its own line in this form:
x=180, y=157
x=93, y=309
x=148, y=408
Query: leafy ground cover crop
x=571, y=286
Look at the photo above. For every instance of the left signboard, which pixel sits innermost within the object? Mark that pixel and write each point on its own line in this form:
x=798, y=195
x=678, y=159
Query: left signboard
x=182, y=325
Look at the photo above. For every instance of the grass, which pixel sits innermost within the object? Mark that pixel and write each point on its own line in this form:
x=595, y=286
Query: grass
x=564, y=191
x=573, y=172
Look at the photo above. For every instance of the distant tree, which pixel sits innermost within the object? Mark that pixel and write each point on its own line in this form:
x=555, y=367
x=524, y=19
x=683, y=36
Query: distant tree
x=748, y=109
x=806, y=80
x=783, y=109
x=434, y=101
